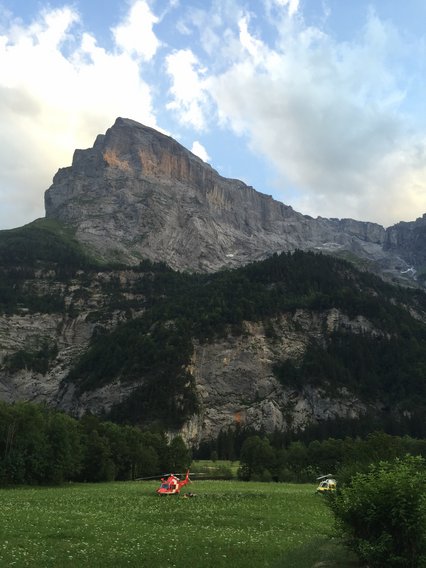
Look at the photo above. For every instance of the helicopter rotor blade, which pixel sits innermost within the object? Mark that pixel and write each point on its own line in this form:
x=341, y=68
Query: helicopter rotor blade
x=166, y=475
x=146, y=478
x=159, y=476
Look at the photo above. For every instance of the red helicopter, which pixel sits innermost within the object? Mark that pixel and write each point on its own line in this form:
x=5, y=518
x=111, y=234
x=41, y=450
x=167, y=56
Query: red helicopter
x=172, y=485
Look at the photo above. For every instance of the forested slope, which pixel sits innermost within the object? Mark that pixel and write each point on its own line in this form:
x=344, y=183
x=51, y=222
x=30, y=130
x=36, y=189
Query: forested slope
x=140, y=331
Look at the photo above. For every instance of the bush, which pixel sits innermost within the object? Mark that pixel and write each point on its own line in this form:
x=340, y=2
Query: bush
x=382, y=513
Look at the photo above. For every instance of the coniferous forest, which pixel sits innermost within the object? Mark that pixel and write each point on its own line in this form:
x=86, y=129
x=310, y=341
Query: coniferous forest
x=43, y=446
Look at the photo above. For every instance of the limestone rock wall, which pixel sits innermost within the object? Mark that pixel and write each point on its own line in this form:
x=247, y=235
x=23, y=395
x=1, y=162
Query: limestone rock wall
x=140, y=194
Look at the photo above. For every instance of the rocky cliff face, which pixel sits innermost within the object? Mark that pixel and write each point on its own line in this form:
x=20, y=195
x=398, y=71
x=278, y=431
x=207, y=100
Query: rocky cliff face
x=236, y=383
x=87, y=310
x=234, y=380
x=409, y=241
x=139, y=194
x=233, y=373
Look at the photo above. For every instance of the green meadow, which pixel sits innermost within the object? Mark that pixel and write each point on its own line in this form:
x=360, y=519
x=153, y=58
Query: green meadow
x=226, y=524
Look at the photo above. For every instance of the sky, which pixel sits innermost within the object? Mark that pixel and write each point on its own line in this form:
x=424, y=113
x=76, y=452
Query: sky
x=319, y=103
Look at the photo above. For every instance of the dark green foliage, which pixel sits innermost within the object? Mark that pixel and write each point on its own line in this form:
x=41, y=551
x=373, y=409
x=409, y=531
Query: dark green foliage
x=24, y=437
x=65, y=448
x=14, y=297
x=156, y=353
x=382, y=513
x=138, y=348
x=147, y=265
x=165, y=400
x=45, y=241
x=391, y=368
x=40, y=445
x=214, y=303
x=300, y=462
x=156, y=348
x=412, y=424
x=227, y=445
x=38, y=361
x=179, y=455
x=98, y=464
x=41, y=244
x=257, y=460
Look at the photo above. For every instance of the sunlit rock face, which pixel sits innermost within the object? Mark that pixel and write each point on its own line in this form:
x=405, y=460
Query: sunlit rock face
x=140, y=194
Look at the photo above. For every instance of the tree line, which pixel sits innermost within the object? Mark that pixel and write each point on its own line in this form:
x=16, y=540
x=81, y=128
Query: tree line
x=391, y=368
x=40, y=445
x=299, y=462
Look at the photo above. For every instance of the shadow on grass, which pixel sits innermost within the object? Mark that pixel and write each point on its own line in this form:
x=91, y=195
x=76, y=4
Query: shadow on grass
x=322, y=552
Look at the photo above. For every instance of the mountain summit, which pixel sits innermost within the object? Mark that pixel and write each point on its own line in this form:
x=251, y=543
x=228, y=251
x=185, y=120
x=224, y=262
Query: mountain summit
x=139, y=194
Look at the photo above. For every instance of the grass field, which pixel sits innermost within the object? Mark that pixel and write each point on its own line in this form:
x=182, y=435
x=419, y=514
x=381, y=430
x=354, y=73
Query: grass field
x=227, y=524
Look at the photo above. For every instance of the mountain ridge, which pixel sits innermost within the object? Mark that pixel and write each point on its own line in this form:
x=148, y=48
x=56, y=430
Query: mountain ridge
x=139, y=194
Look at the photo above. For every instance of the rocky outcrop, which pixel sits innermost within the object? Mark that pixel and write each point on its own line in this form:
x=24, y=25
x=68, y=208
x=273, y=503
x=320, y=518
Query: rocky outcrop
x=235, y=382
x=139, y=194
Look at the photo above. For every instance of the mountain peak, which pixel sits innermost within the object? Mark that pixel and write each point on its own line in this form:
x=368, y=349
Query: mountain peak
x=138, y=193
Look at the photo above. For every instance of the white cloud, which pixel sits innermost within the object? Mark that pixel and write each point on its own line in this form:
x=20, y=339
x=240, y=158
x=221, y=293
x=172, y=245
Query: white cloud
x=199, y=150
x=328, y=116
x=189, y=89
x=58, y=90
x=214, y=25
x=135, y=35
x=252, y=45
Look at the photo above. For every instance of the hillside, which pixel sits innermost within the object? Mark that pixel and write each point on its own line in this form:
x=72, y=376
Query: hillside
x=159, y=293
x=293, y=340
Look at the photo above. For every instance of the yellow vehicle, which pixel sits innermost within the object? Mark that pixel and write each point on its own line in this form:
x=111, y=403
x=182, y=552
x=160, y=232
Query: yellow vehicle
x=326, y=483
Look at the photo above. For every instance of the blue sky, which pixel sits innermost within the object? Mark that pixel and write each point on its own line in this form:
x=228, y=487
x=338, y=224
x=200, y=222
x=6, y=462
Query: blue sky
x=320, y=103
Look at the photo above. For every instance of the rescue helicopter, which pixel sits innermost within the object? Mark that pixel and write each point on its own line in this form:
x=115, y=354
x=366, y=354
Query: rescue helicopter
x=172, y=485
x=327, y=483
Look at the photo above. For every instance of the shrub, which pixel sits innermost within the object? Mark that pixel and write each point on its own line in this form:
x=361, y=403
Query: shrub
x=382, y=513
